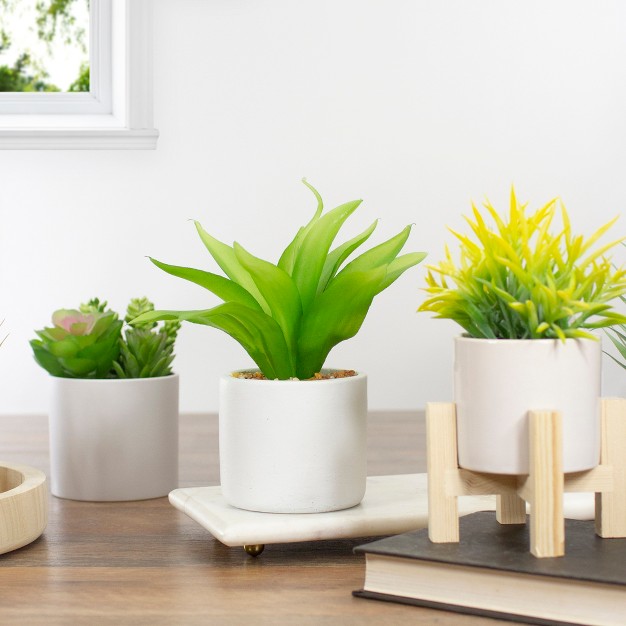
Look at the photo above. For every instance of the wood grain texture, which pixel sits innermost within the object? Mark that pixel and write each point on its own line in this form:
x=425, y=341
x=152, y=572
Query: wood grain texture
x=145, y=563
x=611, y=505
x=23, y=505
x=547, y=525
x=442, y=463
x=510, y=509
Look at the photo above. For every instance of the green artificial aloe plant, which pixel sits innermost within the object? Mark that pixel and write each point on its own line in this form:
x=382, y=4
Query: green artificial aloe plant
x=91, y=342
x=289, y=315
x=518, y=280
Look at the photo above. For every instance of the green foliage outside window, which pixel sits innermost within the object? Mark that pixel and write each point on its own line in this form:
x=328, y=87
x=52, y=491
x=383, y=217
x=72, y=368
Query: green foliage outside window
x=56, y=23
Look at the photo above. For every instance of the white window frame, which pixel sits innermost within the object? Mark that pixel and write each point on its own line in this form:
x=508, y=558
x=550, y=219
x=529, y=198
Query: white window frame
x=116, y=113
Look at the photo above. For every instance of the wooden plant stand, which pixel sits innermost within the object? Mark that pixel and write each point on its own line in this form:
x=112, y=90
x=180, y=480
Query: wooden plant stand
x=542, y=488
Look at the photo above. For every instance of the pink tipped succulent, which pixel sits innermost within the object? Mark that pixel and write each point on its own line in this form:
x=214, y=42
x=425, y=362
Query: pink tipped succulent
x=75, y=322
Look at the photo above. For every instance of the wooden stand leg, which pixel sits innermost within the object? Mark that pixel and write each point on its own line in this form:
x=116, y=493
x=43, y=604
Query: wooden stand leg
x=542, y=488
x=510, y=509
x=443, y=510
x=611, y=506
x=547, y=526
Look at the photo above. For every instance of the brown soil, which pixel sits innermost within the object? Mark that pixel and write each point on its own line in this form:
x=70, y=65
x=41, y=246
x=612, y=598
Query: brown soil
x=319, y=376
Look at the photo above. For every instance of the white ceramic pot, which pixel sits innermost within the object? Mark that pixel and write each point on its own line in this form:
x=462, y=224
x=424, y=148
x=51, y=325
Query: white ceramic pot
x=114, y=439
x=293, y=446
x=497, y=381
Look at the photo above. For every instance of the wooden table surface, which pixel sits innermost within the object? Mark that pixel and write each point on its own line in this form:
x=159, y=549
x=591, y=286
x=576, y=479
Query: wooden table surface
x=147, y=563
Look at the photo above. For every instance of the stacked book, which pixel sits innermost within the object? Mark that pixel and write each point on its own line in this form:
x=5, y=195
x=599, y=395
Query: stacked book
x=491, y=572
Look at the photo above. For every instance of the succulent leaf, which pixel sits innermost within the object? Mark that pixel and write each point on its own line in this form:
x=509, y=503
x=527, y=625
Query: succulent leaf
x=96, y=347
x=145, y=350
x=82, y=343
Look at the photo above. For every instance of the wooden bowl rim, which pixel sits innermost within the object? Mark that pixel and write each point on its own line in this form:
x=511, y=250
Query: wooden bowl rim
x=31, y=479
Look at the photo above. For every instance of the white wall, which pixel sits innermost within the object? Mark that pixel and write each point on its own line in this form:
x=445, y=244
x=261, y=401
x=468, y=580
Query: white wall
x=417, y=107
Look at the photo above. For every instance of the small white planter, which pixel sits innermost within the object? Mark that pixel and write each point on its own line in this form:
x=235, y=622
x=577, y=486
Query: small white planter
x=114, y=439
x=293, y=446
x=496, y=382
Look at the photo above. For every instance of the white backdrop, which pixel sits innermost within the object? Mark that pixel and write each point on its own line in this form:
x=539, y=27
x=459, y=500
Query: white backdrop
x=418, y=107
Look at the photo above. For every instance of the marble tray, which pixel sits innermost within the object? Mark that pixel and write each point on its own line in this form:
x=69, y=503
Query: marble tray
x=392, y=505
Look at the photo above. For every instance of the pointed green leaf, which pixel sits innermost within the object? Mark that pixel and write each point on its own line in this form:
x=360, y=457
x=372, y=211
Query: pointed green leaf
x=288, y=257
x=340, y=254
x=223, y=288
x=382, y=254
x=279, y=291
x=335, y=315
x=618, y=362
x=119, y=370
x=312, y=254
x=619, y=344
x=258, y=334
x=398, y=266
x=226, y=258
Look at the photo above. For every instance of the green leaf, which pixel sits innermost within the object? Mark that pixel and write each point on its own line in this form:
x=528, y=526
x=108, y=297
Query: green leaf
x=312, y=254
x=281, y=294
x=258, y=334
x=106, y=324
x=288, y=257
x=226, y=258
x=52, y=334
x=119, y=371
x=99, y=351
x=46, y=360
x=80, y=368
x=619, y=343
x=340, y=254
x=398, y=266
x=618, y=362
x=335, y=315
x=65, y=348
x=381, y=254
x=223, y=288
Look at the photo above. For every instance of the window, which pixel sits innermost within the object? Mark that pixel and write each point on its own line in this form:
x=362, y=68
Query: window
x=116, y=112
x=44, y=45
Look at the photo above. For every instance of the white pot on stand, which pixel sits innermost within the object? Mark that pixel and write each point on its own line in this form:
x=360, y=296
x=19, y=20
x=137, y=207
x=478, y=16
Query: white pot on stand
x=293, y=446
x=497, y=381
x=114, y=439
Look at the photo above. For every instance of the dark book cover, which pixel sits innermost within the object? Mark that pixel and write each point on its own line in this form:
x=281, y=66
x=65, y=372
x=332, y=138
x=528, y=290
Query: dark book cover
x=487, y=544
